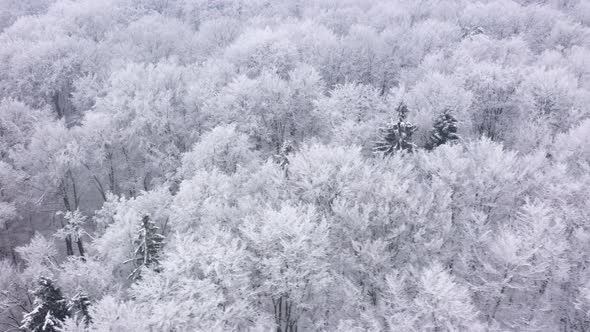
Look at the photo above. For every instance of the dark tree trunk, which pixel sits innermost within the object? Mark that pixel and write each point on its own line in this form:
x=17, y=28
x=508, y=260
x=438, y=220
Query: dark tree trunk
x=80, y=247
x=69, y=247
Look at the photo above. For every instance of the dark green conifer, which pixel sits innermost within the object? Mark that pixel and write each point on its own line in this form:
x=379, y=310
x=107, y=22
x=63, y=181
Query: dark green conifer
x=50, y=309
x=396, y=135
x=79, y=307
x=444, y=131
x=148, y=246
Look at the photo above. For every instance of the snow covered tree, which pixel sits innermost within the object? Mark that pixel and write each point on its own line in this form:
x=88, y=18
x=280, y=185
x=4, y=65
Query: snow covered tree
x=396, y=135
x=73, y=229
x=39, y=257
x=443, y=304
x=520, y=263
x=52, y=163
x=109, y=314
x=79, y=308
x=50, y=309
x=291, y=248
x=17, y=124
x=223, y=148
x=443, y=131
x=148, y=246
x=496, y=111
x=282, y=158
x=270, y=108
x=434, y=94
x=354, y=111
x=119, y=223
x=13, y=295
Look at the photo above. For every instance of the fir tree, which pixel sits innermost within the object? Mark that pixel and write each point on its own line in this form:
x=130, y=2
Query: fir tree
x=282, y=158
x=147, y=247
x=396, y=135
x=471, y=31
x=49, y=310
x=79, y=307
x=443, y=131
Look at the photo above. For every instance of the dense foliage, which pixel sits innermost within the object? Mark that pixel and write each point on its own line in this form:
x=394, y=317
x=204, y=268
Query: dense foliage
x=295, y=165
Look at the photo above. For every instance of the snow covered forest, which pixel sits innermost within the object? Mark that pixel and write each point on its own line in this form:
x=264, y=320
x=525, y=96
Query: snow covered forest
x=294, y=165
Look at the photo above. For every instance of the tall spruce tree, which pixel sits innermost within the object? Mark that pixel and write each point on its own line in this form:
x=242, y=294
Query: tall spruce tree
x=443, y=131
x=79, y=307
x=147, y=247
x=396, y=135
x=282, y=158
x=50, y=309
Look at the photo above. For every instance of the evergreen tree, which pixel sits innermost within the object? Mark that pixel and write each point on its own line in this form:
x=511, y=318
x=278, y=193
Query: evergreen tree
x=79, y=307
x=147, y=247
x=443, y=131
x=282, y=158
x=49, y=310
x=396, y=135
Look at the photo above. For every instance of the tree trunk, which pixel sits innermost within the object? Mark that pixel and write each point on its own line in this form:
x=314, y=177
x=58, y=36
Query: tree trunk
x=80, y=247
x=69, y=247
